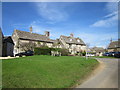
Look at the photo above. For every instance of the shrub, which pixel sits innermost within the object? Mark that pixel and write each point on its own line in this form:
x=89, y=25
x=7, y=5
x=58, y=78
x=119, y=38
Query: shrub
x=64, y=52
x=42, y=51
x=83, y=53
x=47, y=51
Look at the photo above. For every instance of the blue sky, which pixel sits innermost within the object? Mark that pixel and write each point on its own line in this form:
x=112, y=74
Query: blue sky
x=94, y=22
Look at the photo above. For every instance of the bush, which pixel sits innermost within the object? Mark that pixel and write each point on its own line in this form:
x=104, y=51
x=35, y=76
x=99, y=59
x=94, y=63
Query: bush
x=42, y=51
x=64, y=52
x=47, y=51
x=83, y=53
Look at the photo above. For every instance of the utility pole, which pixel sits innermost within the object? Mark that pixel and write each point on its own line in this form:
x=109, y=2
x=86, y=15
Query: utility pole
x=87, y=45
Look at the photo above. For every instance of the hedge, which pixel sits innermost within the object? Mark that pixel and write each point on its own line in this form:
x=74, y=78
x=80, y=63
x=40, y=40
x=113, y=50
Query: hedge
x=42, y=51
x=47, y=51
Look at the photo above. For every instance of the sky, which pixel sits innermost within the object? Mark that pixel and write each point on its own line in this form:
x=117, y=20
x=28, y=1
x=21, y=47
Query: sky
x=94, y=22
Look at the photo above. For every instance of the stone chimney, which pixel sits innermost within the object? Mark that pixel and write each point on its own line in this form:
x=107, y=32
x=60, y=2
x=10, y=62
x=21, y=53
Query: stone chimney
x=47, y=33
x=72, y=35
x=111, y=40
x=31, y=30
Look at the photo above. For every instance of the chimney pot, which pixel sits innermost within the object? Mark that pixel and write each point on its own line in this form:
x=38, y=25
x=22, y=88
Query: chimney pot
x=31, y=30
x=72, y=35
x=47, y=33
x=111, y=40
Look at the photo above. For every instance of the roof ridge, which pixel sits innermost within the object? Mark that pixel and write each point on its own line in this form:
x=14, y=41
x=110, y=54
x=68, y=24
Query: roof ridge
x=29, y=32
x=64, y=36
x=34, y=36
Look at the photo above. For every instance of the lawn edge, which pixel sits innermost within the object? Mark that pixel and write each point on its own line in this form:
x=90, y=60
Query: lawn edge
x=95, y=70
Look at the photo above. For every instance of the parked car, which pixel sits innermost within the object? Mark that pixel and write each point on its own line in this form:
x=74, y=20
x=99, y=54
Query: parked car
x=111, y=54
x=117, y=54
x=106, y=54
x=27, y=53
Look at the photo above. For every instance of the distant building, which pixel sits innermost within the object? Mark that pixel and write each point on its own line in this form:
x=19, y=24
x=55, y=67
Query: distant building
x=6, y=45
x=98, y=51
x=27, y=40
x=74, y=45
x=114, y=46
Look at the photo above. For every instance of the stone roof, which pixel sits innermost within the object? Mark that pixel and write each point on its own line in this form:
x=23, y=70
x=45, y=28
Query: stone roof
x=72, y=40
x=58, y=42
x=114, y=44
x=98, y=49
x=33, y=36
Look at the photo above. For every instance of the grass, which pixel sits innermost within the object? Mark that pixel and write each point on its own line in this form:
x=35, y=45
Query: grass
x=45, y=71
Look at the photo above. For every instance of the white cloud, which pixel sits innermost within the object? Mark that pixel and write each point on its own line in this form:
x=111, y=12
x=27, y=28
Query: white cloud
x=51, y=12
x=101, y=40
x=37, y=28
x=109, y=20
x=111, y=14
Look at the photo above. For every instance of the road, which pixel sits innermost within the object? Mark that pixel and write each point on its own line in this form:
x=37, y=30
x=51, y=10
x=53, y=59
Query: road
x=106, y=75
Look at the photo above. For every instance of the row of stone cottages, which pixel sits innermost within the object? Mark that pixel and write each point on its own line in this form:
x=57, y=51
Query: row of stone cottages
x=22, y=41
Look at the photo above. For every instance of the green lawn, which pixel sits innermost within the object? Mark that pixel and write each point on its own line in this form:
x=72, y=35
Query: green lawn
x=45, y=71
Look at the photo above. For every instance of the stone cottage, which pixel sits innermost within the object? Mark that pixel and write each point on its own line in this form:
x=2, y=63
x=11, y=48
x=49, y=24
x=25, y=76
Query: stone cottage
x=27, y=40
x=114, y=46
x=74, y=45
x=98, y=51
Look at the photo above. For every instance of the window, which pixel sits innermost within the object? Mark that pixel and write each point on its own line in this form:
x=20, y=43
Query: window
x=70, y=39
x=78, y=40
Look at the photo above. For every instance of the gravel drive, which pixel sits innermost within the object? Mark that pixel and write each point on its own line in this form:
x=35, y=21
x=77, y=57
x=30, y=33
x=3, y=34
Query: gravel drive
x=106, y=77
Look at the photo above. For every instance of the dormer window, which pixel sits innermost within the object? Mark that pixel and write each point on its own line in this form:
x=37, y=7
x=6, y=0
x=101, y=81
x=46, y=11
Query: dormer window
x=70, y=39
x=78, y=40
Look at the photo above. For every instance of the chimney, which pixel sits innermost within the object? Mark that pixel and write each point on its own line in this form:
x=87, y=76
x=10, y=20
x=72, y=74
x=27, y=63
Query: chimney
x=31, y=29
x=111, y=40
x=47, y=33
x=72, y=35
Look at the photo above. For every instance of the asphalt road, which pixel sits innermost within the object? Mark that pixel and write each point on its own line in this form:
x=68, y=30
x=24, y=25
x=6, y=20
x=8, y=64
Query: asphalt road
x=105, y=77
